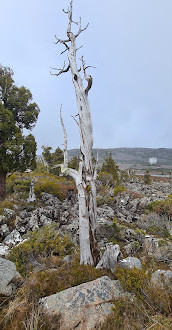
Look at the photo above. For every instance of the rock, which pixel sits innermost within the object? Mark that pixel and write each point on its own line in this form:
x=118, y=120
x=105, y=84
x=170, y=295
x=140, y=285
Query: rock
x=158, y=248
x=130, y=262
x=4, y=230
x=83, y=306
x=13, y=239
x=131, y=235
x=33, y=222
x=50, y=200
x=161, y=277
x=3, y=219
x=132, y=248
x=110, y=257
x=105, y=212
x=7, y=274
x=67, y=258
x=4, y=249
x=9, y=213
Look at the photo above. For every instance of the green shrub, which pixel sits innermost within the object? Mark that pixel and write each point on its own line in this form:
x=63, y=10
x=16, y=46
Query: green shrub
x=105, y=200
x=71, y=274
x=51, y=184
x=41, y=242
x=147, y=178
x=163, y=207
x=6, y=204
x=132, y=280
x=18, y=182
x=118, y=189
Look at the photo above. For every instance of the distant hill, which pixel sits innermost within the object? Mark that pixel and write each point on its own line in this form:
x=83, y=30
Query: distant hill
x=133, y=156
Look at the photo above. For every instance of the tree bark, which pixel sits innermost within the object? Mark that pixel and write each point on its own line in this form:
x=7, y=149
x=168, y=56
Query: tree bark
x=85, y=176
x=2, y=185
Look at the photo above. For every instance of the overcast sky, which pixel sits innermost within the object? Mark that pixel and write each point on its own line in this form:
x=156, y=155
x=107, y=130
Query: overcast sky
x=130, y=44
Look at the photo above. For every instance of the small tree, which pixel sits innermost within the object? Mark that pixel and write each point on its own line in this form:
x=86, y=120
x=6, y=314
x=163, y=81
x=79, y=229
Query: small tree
x=52, y=158
x=110, y=167
x=85, y=175
x=17, y=152
x=147, y=177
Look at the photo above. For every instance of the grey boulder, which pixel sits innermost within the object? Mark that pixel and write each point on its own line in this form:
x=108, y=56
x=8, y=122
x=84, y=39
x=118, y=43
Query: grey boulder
x=8, y=274
x=83, y=306
x=130, y=262
x=162, y=277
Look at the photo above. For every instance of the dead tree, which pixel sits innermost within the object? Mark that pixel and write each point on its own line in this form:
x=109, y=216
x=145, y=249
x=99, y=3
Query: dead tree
x=86, y=175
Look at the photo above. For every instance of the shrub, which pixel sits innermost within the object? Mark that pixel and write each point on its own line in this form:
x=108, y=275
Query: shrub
x=18, y=182
x=163, y=207
x=50, y=184
x=71, y=274
x=6, y=204
x=118, y=189
x=105, y=200
x=132, y=280
x=147, y=178
x=41, y=242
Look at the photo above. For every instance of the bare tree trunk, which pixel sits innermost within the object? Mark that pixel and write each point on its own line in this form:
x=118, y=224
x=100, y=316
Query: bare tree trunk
x=2, y=185
x=85, y=176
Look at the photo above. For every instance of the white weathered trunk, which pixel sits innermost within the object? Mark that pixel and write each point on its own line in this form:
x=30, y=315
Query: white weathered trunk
x=32, y=197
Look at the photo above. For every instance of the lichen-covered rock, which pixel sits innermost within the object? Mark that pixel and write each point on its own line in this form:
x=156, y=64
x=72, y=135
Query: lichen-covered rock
x=9, y=213
x=4, y=249
x=83, y=306
x=162, y=277
x=13, y=239
x=130, y=262
x=157, y=248
x=4, y=230
x=7, y=274
x=3, y=219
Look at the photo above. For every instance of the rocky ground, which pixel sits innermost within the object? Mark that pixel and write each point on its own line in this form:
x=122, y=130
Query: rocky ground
x=124, y=221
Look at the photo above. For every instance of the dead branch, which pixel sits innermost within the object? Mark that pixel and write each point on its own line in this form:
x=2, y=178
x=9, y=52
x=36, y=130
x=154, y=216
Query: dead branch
x=61, y=41
x=79, y=48
x=80, y=29
x=96, y=166
x=65, y=139
x=66, y=12
x=89, y=79
x=75, y=120
x=70, y=20
x=63, y=70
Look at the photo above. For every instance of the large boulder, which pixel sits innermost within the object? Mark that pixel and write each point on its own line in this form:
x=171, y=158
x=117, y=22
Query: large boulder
x=158, y=248
x=8, y=275
x=83, y=306
x=162, y=277
x=130, y=262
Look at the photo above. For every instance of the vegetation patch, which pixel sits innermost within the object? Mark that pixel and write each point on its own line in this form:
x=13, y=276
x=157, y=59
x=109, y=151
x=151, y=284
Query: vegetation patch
x=40, y=243
x=51, y=184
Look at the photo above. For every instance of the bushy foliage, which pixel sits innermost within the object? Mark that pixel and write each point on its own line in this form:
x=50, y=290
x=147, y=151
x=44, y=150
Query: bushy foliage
x=147, y=178
x=6, y=204
x=102, y=200
x=109, y=166
x=53, y=159
x=41, y=242
x=50, y=184
x=118, y=189
x=163, y=207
